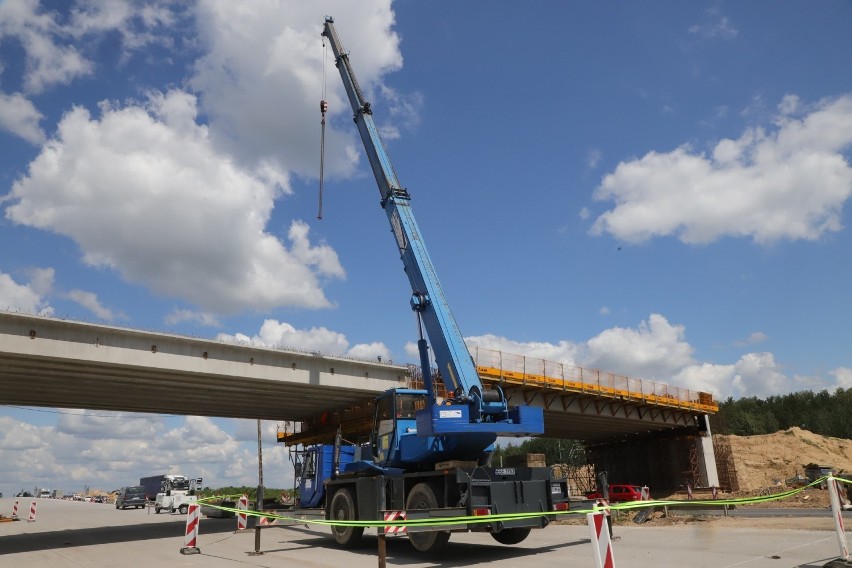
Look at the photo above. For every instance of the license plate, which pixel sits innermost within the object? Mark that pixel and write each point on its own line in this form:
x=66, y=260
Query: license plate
x=505, y=471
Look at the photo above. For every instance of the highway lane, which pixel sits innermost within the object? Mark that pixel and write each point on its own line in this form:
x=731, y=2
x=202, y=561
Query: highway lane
x=68, y=533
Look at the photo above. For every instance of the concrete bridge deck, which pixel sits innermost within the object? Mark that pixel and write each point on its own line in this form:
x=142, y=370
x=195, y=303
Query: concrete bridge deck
x=70, y=364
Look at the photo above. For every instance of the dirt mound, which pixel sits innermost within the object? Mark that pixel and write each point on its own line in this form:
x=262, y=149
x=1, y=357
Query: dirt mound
x=769, y=460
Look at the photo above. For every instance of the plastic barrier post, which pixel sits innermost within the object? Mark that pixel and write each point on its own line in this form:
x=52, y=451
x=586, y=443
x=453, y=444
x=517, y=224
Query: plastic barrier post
x=193, y=519
x=32, y=512
x=242, y=518
x=394, y=516
x=604, y=504
x=15, y=510
x=601, y=544
x=836, y=511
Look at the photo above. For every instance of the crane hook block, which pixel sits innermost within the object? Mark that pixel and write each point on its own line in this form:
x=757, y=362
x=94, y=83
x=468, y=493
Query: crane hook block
x=323, y=107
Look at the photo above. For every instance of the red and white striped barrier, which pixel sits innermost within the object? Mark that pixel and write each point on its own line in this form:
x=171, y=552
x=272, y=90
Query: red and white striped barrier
x=836, y=511
x=266, y=522
x=193, y=519
x=394, y=516
x=242, y=518
x=15, y=510
x=31, y=519
x=601, y=543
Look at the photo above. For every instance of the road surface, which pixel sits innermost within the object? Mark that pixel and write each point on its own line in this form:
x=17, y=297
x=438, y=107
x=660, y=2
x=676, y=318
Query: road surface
x=68, y=533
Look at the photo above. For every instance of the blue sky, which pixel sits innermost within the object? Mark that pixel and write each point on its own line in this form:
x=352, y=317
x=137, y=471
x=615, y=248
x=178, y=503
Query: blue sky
x=655, y=189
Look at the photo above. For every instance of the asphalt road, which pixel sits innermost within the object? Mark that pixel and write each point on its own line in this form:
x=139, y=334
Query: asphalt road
x=67, y=533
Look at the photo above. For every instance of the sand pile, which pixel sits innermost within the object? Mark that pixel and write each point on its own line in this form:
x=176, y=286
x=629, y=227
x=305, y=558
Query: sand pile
x=768, y=460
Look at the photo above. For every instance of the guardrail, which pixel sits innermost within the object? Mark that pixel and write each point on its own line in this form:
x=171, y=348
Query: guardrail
x=533, y=372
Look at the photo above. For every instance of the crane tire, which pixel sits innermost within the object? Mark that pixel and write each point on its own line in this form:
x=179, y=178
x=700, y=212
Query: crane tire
x=511, y=536
x=422, y=496
x=343, y=509
x=183, y=509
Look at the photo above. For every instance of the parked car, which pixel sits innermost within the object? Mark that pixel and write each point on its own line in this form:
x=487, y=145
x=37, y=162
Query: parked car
x=620, y=492
x=131, y=496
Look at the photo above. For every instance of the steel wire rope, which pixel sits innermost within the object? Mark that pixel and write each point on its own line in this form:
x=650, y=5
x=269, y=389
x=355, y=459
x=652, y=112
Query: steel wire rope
x=323, y=109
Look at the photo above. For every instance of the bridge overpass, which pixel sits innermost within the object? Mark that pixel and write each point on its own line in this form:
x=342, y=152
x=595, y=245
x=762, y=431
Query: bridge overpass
x=53, y=362
x=71, y=364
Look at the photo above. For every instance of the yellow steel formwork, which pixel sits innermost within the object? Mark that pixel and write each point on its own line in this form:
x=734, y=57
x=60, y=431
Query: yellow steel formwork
x=519, y=370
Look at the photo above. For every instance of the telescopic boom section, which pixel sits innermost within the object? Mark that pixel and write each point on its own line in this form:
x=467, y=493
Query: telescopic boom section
x=451, y=355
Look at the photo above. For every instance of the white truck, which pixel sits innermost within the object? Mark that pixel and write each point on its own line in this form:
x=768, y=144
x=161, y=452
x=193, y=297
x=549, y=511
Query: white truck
x=177, y=493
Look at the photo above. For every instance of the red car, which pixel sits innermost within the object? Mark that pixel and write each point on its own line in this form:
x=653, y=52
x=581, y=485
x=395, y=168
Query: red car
x=618, y=492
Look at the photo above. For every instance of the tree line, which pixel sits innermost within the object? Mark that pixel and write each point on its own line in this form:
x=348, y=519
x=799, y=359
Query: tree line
x=824, y=413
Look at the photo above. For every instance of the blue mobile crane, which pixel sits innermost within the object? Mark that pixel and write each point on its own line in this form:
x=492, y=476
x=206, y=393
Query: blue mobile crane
x=427, y=457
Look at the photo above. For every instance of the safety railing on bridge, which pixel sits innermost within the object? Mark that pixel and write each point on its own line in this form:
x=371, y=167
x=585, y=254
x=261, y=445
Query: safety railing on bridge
x=511, y=369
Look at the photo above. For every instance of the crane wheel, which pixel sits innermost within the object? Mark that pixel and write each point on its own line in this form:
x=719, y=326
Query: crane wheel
x=183, y=509
x=422, y=496
x=343, y=509
x=511, y=536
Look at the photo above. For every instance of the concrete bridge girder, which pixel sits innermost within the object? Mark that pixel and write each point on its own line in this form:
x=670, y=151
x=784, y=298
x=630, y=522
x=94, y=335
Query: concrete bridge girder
x=577, y=416
x=49, y=362
x=600, y=420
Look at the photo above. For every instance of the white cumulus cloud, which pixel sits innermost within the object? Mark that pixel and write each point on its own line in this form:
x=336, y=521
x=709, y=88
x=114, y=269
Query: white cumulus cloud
x=28, y=298
x=150, y=178
x=19, y=116
x=48, y=60
x=560, y=352
x=274, y=333
x=261, y=78
x=655, y=350
x=786, y=182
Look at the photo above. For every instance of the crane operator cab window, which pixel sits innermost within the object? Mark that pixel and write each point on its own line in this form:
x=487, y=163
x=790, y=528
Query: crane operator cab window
x=407, y=405
x=384, y=415
x=389, y=410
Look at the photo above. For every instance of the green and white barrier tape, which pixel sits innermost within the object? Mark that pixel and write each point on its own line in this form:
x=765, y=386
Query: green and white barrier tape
x=444, y=521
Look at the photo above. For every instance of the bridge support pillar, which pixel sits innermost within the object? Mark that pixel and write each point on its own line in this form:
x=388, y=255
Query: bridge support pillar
x=706, y=455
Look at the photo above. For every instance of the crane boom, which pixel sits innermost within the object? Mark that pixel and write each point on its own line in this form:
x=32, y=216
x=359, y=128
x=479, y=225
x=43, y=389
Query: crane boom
x=486, y=407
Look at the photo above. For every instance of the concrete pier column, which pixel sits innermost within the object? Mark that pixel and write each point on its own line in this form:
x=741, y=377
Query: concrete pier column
x=706, y=455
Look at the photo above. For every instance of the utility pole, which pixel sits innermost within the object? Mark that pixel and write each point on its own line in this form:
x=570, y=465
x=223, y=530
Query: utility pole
x=259, y=499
